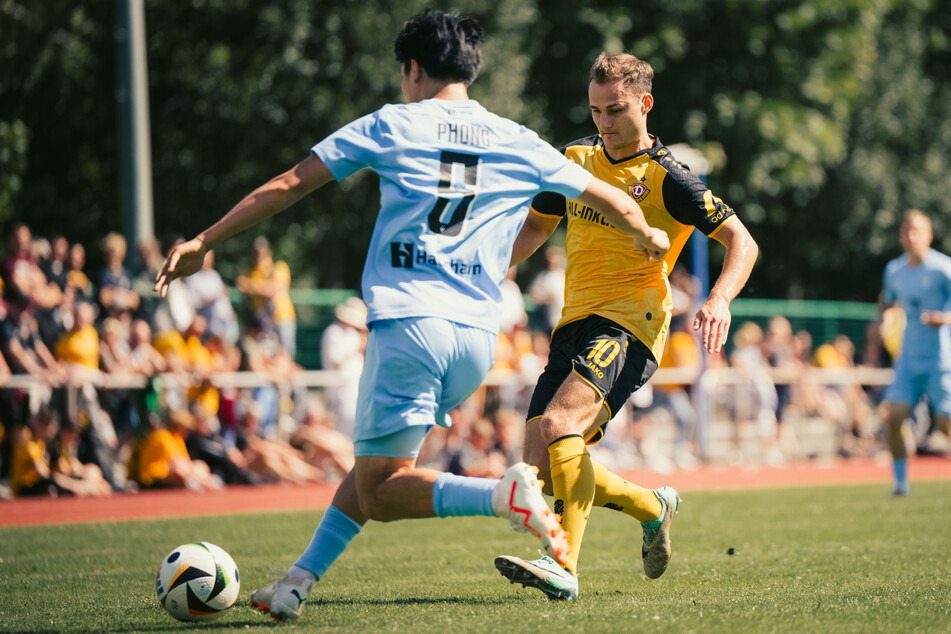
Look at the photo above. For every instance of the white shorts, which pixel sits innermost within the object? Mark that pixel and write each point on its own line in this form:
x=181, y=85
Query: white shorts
x=416, y=370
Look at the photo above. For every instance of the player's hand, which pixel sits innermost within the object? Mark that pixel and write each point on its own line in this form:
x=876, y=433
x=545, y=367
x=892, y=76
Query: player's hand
x=183, y=260
x=713, y=321
x=654, y=245
x=934, y=318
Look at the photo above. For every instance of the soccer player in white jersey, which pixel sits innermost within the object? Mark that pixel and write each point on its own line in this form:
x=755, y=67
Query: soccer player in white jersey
x=455, y=185
x=920, y=282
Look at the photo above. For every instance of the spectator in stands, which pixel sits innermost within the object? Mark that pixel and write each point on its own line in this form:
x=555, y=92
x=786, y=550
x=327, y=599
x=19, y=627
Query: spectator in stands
x=342, y=348
x=810, y=398
x=322, y=444
x=547, y=289
x=202, y=364
x=684, y=291
x=758, y=404
x=24, y=285
x=25, y=351
x=478, y=456
x=30, y=472
x=78, y=349
x=682, y=350
x=176, y=312
x=856, y=425
x=513, y=304
x=212, y=300
x=271, y=459
x=114, y=282
x=227, y=359
x=509, y=434
x=209, y=445
x=778, y=348
x=115, y=348
x=55, y=318
x=115, y=358
x=164, y=461
x=76, y=278
x=145, y=359
x=441, y=442
x=262, y=352
x=56, y=267
x=82, y=479
x=267, y=284
x=514, y=341
x=14, y=404
x=78, y=354
x=43, y=464
x=148, y=265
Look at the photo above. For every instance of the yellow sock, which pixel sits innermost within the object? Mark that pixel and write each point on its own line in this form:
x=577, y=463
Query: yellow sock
x=572, y=479
x=614, y=492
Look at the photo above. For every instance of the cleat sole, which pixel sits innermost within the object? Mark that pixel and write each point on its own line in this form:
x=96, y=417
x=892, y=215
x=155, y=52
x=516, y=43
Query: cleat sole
x=517, y=574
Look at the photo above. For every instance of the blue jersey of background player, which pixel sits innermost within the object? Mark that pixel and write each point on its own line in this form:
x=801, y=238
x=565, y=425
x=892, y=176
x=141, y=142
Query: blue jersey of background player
x=455, y=183
x=920, y=282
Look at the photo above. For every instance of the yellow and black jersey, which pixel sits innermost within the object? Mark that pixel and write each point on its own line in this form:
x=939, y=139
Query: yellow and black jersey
x=606, y=275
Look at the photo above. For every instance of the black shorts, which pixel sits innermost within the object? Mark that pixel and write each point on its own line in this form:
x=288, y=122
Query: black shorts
x=601, y=352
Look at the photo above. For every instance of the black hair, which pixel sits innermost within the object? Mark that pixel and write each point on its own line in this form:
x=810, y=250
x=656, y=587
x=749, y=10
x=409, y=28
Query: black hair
x=446, y=45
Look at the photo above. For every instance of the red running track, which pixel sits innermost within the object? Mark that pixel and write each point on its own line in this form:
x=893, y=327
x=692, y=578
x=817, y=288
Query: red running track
x=236, y=499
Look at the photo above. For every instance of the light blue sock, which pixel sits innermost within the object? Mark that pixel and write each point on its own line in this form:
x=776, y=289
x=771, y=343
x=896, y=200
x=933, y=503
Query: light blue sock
x=900, y=469
x=331, y=538
x=457, y=496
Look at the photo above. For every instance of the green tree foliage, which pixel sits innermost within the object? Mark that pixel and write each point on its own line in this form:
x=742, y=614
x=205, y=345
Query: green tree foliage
x=248, y=88
x=57, y=88
x=823, y=119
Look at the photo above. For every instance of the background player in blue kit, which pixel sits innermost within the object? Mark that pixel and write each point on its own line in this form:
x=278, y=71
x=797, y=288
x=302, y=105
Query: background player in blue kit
x=920, y=282
x=455, y=185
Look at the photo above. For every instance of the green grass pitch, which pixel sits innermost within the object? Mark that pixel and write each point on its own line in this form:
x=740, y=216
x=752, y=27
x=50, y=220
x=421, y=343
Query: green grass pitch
x=819, y=559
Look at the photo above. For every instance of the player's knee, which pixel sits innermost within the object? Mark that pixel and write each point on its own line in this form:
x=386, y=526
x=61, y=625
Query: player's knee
x=372, y=503
x=374, y=507
x=556, y=425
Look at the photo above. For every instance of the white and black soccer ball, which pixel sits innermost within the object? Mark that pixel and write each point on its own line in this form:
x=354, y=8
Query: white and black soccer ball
x=197, y=582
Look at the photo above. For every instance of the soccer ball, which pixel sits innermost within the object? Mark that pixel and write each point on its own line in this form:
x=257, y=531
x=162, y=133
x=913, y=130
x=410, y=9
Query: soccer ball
x=197, y=582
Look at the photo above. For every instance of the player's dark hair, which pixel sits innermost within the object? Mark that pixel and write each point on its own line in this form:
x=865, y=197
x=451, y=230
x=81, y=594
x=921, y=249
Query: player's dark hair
x=446, y=45
x=636, y=74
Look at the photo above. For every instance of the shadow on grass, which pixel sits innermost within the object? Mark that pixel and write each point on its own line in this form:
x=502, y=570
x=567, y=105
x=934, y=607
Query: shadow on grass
x=175, y=626
x=411, y=601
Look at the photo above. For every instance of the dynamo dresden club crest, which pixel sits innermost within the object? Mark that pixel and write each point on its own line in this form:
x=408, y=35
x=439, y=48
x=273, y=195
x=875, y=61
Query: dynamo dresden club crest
x=638, y=191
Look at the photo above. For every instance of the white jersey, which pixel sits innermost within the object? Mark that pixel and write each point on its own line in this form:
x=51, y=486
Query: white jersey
x=455, y=186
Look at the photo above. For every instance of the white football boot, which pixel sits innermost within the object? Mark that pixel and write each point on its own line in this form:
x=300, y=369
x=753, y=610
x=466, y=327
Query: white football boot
x=518, y=497
x=544, y=574
x=284, y=599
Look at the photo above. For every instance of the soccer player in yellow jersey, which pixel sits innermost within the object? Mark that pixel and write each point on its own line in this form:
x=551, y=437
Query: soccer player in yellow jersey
x=616, y=317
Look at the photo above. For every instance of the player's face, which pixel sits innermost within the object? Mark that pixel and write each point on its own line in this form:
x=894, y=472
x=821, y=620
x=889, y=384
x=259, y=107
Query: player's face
x=620, y=116
x=916, y=236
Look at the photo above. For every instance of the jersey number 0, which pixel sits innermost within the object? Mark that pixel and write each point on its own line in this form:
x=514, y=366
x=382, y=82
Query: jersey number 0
x=444, y=218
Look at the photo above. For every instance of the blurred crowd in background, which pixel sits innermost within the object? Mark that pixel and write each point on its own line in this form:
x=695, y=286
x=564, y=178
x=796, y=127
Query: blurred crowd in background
x=132, y=391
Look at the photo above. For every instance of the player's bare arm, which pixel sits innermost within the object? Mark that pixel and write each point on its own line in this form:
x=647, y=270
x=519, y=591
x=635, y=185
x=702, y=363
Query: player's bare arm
x=713, y=319
x=533, y=234
x=271, y=198
x=626, y=215
x=935, y=318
